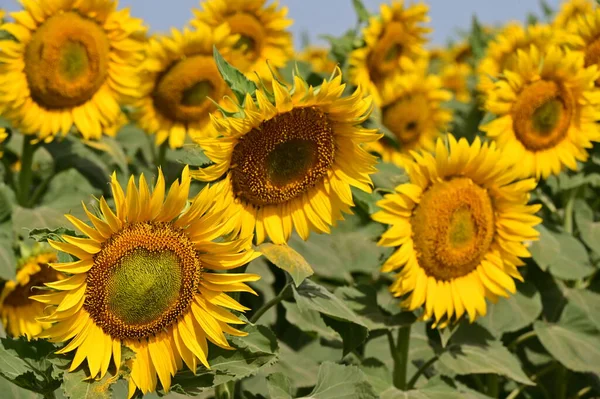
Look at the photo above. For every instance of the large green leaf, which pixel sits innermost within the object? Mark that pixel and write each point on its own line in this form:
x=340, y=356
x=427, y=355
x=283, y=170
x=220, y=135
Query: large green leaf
x=352, y=334
x=389, y=176
x=336, y=381
x=588, y=302
x=66, y=191
x=8, y=261
x=286, y=258
x=472, y=350
x=13, y=391
x=7, y=199
x=77, y=385
x=26, y=219
x=302, y=370
x=280, y=386
x=589, y=230
x=513, y=313
x=309, y=321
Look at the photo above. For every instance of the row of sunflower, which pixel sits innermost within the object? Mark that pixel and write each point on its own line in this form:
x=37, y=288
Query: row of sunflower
x=417, y=233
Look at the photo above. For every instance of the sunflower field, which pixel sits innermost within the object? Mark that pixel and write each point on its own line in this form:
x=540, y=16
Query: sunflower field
x=210, y=213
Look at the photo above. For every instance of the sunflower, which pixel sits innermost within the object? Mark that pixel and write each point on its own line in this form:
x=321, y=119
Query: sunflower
x=455, y=78
x=501, y=51
x=546, y=111
x=587, y=31
x=18, y=312
x=318, y=58
x=144, y=279
x=570, y=11
x=291, y=163
x=412, y=110
x=179, y=75
x=458, y=227
x=261, y=28
x=393, y=41
x=72, y=63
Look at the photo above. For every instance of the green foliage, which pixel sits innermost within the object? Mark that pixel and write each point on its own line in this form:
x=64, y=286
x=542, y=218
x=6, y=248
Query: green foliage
x=361, y=10
x=237, y=81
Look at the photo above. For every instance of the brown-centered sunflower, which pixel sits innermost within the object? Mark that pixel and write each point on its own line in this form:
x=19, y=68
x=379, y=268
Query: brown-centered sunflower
x=570, y=11
x=458, y=228
x=148, y=277
x=261, y=28
x=18, y=312
x=70, y=63
x=289, y=159
x=587, y=35
x=412, y=109
x=393, y=42
x=179, y=76
x=546, y=109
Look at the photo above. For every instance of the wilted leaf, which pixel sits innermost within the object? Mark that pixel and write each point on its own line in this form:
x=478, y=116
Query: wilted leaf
x=336, y=381
x=286, y=258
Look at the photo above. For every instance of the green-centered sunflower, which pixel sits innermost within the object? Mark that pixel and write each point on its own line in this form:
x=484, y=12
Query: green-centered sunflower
x=147, y=277
x=546, y=109
x=501, y=51
x=178, y=77
x=291, y=163
x=412, y=110
x=393, y=41
x=261, y=28
x=18, y=312
x=458, y=227
x=70, y=63
x=570, y=11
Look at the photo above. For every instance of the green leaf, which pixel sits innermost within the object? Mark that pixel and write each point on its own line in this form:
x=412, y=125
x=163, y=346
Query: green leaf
x=562, y=254
x=435, y=388
x=313, y=296
x=378, y=374
x=13, y=391
x=589, y=231
x=361, y=10
x=362, y=300
x=66, y=190
x=588, y=302
x=366, y=201
x=309, y=321
x=26, y=219
x=280, y=386
x=513, y=313
x=193, y=155
x=351, y=247
x=352, y=334
x=302, y=370
x=8, y=261
x=112, y=152
x=237, y=81
x=342, y=46
x=43, y=235
x=286, y=258
x=75, y=385
x=546, y=9
x=7, y=199
x=389, y=176
x=473, y=350
x=477, y=39
x=336, y=381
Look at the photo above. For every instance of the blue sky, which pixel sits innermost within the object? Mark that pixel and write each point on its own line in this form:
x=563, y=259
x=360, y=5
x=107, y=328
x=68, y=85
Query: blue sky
x=335, y=16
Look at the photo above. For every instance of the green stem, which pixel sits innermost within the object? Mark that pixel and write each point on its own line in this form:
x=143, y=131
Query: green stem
x=25, y=175
x=162, y=154
x=273, y=302
x=493, y=385
x=400, y=355
x=225, y=390
x=568, y=219
x=533, y=378
x=521, y=338
x=420, y=372
x=561, y=382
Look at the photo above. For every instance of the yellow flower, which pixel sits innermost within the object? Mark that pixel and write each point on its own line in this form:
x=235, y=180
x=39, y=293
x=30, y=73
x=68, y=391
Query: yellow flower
x=587, y=32
x=570, y=11
x=393, y=42
x=291, y=163
x=18, y=312
x=458, y=227
x=318, y=58
x=72, y=63
x=455, y=78
x=501, y=51
x=412, y=110
x=178, y=77
x=262, y=29
x=145, y=278
x=546, y=111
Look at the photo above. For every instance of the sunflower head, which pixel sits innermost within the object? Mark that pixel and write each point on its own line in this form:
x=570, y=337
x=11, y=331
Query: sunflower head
x=261, y=28
x=546, y=109
x=570, y=11
x=70, y=63
x=148, y=275
x=19, y=313
x=458, y=228
x=289, y=158
x=412, y=110
x=501, y=51
x=393, y=41
x=318, y=58
x=587, y=34
x=179, y=79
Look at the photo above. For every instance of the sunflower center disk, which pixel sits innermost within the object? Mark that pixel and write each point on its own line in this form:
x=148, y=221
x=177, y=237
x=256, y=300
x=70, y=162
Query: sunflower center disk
x=252, y=34
x=284, y=157
x=181, y=93
x=385, y=54
x=406, y=118
x=453, y=228
x=592, y=55
x=66, y=61
x=542, y=115
x=144, y=278
x=20, y=295
x=142, y=281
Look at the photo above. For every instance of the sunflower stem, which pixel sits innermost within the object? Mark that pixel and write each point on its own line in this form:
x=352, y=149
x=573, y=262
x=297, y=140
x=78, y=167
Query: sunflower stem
x=400, y=355
x=420, y=371
x=25, y=175
x=225, y=390
x=568, y=219
x=493, y=385
x=162, y=155
x=273, y=302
